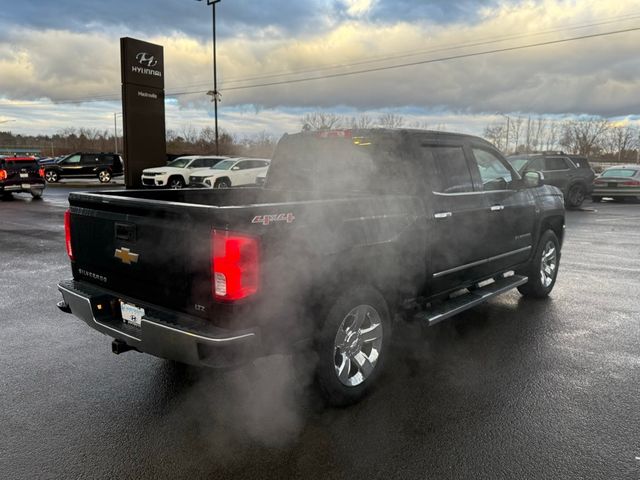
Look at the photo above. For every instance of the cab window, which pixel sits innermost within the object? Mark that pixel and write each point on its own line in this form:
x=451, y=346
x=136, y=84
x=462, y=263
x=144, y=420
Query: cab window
x=494, y=174
x=453, y=171
x=72, y=160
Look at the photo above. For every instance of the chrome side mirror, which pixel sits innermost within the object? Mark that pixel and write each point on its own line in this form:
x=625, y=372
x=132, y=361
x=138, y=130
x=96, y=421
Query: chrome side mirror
x=533, y=179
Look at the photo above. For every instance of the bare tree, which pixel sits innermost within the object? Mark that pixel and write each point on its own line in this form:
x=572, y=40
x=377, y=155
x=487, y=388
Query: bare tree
x=584, y=137
x=321, y=121
x=390, y=120
x=495, y=133
x=516, y=132
x=361, y=121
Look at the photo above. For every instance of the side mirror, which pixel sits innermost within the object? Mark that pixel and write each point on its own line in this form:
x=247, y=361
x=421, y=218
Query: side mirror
x=533, y=179
x=235, y=168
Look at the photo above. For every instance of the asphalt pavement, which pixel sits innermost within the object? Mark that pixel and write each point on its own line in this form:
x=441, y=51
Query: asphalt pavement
x=511, y=389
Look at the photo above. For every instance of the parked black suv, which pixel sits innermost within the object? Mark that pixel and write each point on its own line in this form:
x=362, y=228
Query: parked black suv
x=570, y=173
x=21, y=174
x=104, y=166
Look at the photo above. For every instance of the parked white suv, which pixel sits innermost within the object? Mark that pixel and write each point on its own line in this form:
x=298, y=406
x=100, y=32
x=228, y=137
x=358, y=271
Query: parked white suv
x=176, y=173
x=230, y=173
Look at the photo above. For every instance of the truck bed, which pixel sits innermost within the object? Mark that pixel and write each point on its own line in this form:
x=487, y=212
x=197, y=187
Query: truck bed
x=169, y=232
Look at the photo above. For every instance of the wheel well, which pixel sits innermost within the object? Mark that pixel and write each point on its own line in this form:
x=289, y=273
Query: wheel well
x=556, y=224
x=176, y=176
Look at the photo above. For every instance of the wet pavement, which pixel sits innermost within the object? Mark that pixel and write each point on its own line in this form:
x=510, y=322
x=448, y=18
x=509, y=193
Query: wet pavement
x=511, y=389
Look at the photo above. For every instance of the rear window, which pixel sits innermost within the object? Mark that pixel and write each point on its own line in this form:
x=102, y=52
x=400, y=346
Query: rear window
x=375, y=163
x=18, y=164
x=619, y=172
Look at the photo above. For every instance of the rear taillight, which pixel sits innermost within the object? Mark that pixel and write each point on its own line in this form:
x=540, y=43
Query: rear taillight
x=3, y=175
x=41, y=172
x=235, y=267
x=599, y=182
x=631, y=183
x=67, y=233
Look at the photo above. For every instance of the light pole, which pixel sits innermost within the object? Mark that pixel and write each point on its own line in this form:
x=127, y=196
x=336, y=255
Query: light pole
x=215, y=95
x=506, y=146
x=115, y=130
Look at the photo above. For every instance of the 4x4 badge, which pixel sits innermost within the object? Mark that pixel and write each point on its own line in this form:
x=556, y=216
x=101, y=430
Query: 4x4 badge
x=126, y=255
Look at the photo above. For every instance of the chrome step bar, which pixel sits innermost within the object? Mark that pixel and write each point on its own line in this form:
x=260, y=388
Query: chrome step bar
x=463, y=302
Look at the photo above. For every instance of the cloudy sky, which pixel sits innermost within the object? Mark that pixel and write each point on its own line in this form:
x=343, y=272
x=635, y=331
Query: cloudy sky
x=59, y=61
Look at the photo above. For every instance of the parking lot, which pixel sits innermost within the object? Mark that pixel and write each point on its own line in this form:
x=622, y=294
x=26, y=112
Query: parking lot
x=511, y=389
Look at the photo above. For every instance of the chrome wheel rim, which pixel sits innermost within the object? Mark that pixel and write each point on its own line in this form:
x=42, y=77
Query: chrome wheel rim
x=175, y=184
x=548, y=264
x=223, y=185
x=104, y=176
x=357, y=345
x=50, y=176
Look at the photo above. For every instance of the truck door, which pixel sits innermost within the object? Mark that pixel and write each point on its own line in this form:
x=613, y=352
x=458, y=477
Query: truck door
x=509, y=213
x=457, y=233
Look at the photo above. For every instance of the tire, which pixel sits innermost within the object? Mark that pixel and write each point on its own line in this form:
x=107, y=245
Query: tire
x=350, y=359
x=222, y=183
x=104, y=176
x=51, y=176
x=175, y=183
x=575, y=195
x=543, y=269
x=596, y=199
x=36, y=193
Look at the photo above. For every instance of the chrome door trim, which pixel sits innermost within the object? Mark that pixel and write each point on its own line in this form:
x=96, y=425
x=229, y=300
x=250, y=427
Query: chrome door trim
x=480, y=262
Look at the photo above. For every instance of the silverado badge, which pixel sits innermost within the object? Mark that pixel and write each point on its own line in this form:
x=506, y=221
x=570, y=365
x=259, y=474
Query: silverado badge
x=126, y=255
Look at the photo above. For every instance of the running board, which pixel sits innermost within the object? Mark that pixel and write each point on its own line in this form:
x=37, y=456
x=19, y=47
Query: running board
x=463, y=302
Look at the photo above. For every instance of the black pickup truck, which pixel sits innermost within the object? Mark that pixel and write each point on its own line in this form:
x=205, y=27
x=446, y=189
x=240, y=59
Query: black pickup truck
x=354, y=231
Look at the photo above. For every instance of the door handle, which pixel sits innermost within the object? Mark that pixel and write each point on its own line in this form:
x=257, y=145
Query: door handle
x=497, y=208
x=442, y=215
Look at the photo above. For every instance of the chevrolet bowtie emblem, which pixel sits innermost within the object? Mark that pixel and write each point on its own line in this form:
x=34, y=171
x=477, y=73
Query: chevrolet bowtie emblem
x=126, y=256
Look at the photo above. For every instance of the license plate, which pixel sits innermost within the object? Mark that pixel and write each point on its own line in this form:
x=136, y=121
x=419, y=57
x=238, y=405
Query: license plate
x=612, y=185
x=26, y=186
x=24, y=175
x=131, y=314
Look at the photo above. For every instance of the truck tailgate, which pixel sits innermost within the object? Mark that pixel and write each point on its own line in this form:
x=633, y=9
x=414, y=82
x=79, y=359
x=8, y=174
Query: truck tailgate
x=163, y=258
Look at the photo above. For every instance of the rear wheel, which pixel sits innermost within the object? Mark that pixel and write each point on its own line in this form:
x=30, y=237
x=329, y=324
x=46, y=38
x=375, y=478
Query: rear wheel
x=176, y=183
x=104, y=176
x=596, y=199
x=352, y=345
x=575, y=195
x=543, y=270
x=51, y=176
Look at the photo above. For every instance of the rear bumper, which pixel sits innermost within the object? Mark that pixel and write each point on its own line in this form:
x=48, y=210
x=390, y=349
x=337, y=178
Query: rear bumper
x=162, y=333
x=26, y=186
x=615, y=192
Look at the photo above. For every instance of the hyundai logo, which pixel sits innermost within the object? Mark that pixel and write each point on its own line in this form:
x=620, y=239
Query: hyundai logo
x=147, y=59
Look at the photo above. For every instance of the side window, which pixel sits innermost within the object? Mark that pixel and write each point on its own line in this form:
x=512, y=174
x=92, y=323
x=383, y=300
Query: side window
x=198, y=163
x=494, y=174
x=73, y=160
x=210, y=162
x=243, y=165
x=453, y=172
x=555, y=163
x=264, y=164
x=89, y=159
x=108, y=159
